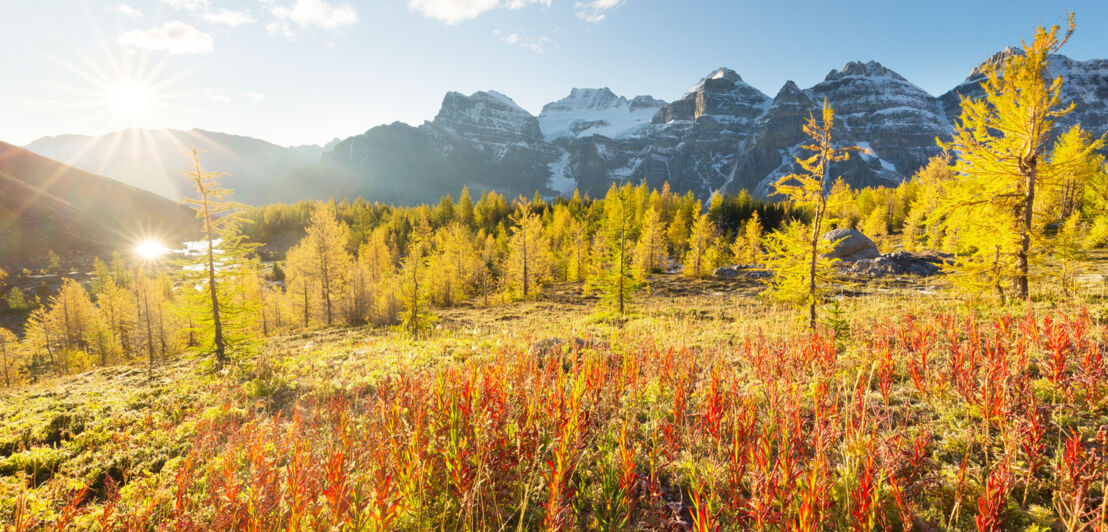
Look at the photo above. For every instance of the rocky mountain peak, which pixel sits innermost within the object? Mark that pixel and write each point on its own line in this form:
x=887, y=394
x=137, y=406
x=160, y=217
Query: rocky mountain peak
x=721, y=95
x=586, y=100
x=869, y=69
x=995, y=60
x=487, y=114
x=644, y=101
x=789, y=93
x=725, y=73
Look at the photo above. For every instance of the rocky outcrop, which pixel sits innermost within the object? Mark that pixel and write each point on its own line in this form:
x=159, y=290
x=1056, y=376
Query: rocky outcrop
x=746, y=271
x=898, y=263
x=850, y=245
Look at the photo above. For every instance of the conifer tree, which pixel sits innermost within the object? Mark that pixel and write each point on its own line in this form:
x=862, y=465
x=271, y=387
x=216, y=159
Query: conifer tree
x=529, y=254
x=698, y=260
x=220, y=219
x=413, y=273
x=299, y=270
x=327, y=257
x=1003, y=162
x=615, y=276
x=800, y=281
x=9, y=359
x=747, y=247
x=650, y=251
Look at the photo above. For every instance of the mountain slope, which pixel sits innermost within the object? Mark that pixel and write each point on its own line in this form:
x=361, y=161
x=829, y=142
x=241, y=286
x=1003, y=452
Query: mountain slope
x=48, y=206
x=258, y=171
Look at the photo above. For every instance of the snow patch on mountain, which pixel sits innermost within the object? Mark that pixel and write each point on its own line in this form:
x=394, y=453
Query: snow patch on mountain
x=560, y=181
x=587, y=112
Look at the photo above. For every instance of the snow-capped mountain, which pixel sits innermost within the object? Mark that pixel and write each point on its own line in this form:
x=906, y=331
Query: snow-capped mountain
x=587, y=112
x=722, y=134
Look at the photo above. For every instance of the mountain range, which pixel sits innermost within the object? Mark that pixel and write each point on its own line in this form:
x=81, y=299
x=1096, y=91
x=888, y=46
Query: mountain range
x=723, y=134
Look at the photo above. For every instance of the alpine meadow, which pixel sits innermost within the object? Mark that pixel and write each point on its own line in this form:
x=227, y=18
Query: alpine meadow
x=853, y=306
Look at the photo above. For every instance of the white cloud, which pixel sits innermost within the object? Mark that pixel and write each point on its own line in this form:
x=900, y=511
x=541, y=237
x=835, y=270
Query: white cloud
x=304, y=14
x=255, y=96
x=189, y=5
x=174, y=37
x=125, y=10
x=595, y=11
x=218, y=98
x=227, y=17
x=537, y=44
x=454, y=11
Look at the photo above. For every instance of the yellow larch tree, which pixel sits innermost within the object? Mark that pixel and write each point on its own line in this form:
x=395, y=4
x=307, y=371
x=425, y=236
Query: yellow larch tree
x=796, y=254
x=1004, y=164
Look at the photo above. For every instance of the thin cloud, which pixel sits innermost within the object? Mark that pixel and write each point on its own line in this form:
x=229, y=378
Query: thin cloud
x=218, y=98
x=535, y=44
x=304, y=14
x=174, y=37
x=125, y=10
x=255, y=96
x=596, y=10
x=452, y=12
x=227, y=17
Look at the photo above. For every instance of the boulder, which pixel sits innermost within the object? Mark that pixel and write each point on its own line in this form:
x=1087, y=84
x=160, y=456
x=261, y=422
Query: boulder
x=726, y=272
x=898, y=263
x=851, y=245
x=735, y=271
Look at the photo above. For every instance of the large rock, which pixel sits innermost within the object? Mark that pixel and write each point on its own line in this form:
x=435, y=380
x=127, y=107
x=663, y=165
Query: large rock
x=851, y=245
x=899, y=263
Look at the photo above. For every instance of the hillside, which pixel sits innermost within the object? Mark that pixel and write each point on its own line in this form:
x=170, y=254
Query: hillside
x=46, y=205
x=259, y=171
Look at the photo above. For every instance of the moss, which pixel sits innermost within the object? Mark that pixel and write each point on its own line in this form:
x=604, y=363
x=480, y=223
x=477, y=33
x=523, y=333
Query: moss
x=39, y=463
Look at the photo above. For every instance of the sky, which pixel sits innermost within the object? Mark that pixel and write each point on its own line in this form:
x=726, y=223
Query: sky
x=307, y=71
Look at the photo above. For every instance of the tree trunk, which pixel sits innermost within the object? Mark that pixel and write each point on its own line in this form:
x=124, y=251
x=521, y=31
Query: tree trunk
x=816, y=225
x=220, y=348
x=4, y=353
x=1029, y=171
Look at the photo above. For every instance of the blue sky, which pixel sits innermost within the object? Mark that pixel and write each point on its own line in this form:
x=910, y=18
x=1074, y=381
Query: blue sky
x=306, y=71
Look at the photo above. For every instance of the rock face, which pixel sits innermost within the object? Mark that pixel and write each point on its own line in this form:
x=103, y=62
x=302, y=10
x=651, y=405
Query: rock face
x=484, y=141
x=850, y=245
x=899, y=263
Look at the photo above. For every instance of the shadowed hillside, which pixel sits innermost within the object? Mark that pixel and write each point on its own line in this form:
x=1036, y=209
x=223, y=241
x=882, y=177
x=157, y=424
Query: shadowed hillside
x=46, y=205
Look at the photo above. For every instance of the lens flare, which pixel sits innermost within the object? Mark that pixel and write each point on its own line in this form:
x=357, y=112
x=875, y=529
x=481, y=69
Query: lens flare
x=150, y=249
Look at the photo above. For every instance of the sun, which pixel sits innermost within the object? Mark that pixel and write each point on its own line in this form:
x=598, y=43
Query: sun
x=131, y=100
x=150, y=249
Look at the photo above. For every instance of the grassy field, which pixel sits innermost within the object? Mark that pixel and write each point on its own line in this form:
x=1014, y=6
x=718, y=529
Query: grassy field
x=707, y=408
